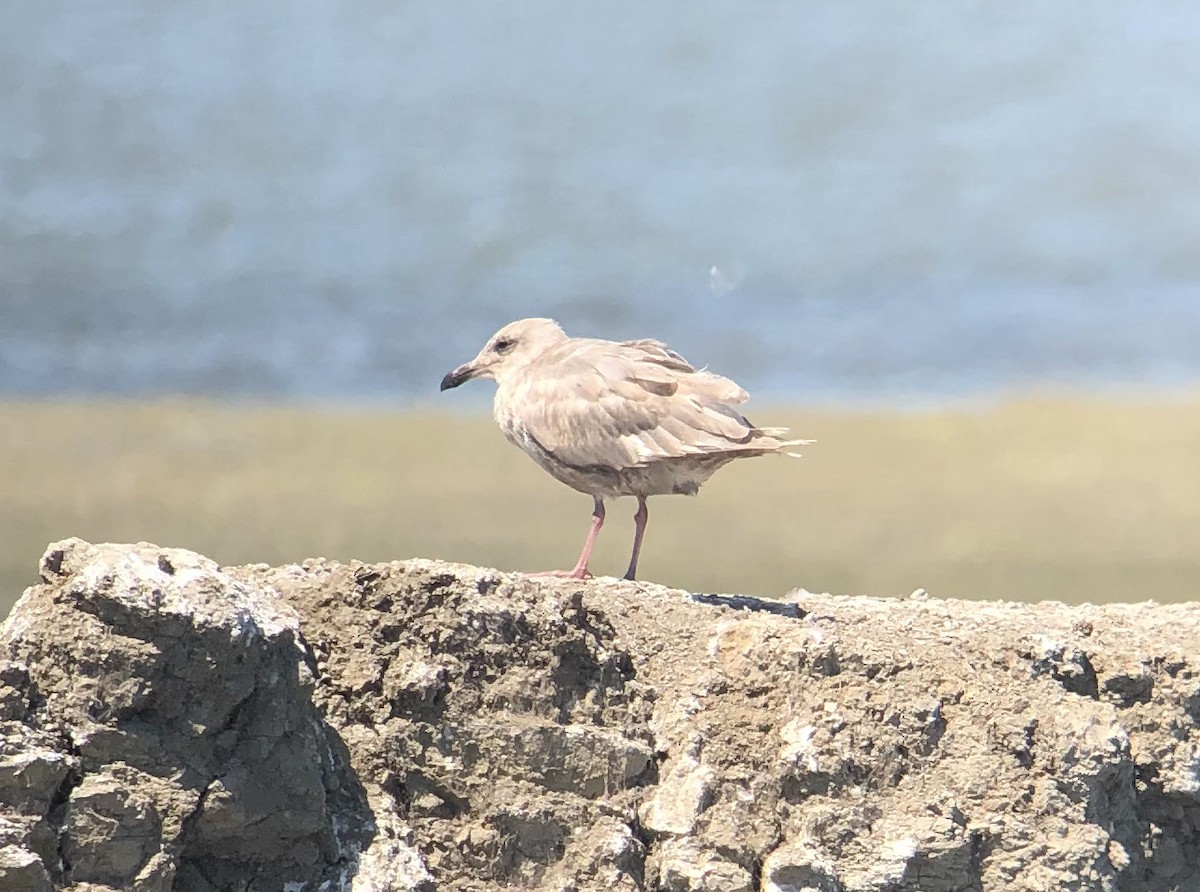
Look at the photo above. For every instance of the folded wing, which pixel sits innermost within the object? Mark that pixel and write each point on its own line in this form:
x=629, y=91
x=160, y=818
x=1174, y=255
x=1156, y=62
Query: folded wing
x=635, y=403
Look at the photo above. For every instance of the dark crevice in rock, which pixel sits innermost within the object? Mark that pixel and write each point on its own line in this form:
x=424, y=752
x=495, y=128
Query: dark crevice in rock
x=756, y=871
x=1167, y=852
x=416, y=786
x=1192, y=705
x=34, y=702
x=237, y=714
x=744, y=602
x=52, y=564
x=1021, y=743
x=1128, y=690
x=1073, y=670
x=1083, y=682
x=191, y=819
x=935, y=728
x=59, y=866
x=365, y=579
x=982, y=844
x=487, y=584
x=439, y=583
x=310, y=657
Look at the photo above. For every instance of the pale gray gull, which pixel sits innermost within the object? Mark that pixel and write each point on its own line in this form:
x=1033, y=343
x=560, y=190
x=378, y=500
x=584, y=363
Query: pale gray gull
x=608, y=418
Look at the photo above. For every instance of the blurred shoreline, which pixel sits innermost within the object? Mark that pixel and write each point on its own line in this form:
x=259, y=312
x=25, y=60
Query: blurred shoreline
x=1043, y=497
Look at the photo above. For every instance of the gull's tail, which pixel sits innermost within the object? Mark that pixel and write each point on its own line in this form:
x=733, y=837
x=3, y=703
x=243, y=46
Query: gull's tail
x=781, y=445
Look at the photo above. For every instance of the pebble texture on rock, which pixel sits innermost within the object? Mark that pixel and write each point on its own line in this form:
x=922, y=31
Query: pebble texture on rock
x=169, y=724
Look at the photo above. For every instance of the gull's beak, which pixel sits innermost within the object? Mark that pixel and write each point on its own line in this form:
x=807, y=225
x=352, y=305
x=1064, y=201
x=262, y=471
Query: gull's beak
x=458, y=376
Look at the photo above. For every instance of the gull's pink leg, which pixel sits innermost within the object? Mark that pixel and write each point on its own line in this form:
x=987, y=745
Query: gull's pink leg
x=580, y=571
x=639, y=529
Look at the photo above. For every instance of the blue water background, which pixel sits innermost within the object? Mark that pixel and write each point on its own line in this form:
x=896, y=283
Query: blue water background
x=860, y=202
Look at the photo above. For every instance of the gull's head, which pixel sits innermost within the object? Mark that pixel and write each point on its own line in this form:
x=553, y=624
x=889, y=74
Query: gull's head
x=511, y=347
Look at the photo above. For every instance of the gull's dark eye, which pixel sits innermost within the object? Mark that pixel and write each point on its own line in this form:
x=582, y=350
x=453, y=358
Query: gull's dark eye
x=504, y=345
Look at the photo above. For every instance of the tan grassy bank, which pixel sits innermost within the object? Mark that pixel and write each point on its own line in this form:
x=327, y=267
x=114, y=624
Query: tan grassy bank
x=1063, y=499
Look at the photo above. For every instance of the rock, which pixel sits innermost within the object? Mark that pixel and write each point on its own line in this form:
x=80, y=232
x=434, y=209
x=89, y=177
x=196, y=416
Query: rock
x=685, y=864
x=22, y=871
x=166, y=723
x=166, y=734
x=683, y=794
x=799, y=865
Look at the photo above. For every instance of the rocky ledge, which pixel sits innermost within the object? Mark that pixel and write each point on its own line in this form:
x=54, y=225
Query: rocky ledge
x=171, y=724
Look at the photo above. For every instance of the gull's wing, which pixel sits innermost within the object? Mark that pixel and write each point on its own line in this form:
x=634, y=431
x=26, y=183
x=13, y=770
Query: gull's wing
x=594, y=403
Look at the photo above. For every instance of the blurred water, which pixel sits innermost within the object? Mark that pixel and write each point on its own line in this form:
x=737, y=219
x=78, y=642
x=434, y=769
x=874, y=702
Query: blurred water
x=859, y=201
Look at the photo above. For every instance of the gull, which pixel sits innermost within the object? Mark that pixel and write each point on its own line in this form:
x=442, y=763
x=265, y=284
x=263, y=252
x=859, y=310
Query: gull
x=609, y=418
